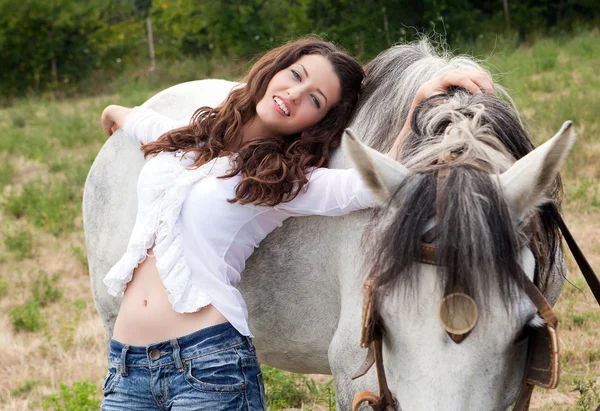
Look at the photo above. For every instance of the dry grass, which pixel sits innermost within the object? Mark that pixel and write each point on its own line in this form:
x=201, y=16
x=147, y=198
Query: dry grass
x=56, y=141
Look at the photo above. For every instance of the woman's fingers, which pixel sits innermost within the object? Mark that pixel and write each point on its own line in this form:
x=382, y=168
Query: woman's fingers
x=473, y=81
x=108, y=125
x=483, y=80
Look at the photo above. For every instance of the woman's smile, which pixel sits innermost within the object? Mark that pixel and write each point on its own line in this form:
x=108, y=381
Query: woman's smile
x=302, y=94
x=281, y=106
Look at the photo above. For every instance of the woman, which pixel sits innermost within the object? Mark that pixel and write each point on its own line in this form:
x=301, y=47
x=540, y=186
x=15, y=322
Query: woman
x=213, y=190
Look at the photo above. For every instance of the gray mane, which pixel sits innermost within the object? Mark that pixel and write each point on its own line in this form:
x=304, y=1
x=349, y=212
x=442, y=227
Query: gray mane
x=478, y=242
x=392, y=80
x=494, y=137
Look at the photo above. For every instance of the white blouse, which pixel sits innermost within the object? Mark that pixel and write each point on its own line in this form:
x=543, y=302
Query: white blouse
x=202, y=241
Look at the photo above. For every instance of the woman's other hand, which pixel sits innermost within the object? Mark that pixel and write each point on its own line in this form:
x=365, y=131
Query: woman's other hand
x=474, y=81
x=112, y=118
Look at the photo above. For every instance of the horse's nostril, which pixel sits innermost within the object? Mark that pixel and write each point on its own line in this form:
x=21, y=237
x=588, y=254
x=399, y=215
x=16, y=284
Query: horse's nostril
x=458, y=315
x=458, y=338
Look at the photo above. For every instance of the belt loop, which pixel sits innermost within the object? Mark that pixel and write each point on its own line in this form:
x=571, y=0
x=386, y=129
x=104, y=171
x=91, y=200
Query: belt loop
x=123, y=363
x=250, y=345
x=176, y=355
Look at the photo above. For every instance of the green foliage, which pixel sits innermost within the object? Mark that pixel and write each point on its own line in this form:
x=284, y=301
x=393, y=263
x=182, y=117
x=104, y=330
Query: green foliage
x=68, y=327
x=283, y=389
x=81, y=256
x=589, y=394
x=53, y=207
x=46, y=43
x=545, y=55
x=584, y=318
x=80, y=397
x=27, y=317
x=44, y=289
x=7, y=172
x=288, y=390
x=3, y=287
x=75, y=38
x=24, y=389
x=20, y=244
x=22, y=141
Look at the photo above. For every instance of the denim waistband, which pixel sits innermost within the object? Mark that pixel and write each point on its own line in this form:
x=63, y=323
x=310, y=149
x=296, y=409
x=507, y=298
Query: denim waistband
x=203, y=342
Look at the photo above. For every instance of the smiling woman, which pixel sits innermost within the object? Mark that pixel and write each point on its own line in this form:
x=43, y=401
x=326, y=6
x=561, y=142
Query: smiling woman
x=212, y=190
x=295, y=100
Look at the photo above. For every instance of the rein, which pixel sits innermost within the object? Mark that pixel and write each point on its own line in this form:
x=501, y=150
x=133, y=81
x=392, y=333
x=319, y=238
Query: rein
x=543, y=349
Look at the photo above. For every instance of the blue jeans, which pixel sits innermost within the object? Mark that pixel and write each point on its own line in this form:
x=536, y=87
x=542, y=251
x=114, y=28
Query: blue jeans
x=212, y=369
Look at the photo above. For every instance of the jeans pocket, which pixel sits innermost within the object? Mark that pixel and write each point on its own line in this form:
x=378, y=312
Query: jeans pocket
x=261, y=389
x=220, y=372
x=110, y=381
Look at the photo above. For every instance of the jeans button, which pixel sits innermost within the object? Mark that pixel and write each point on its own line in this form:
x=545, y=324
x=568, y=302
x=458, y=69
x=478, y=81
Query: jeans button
x=155, y=354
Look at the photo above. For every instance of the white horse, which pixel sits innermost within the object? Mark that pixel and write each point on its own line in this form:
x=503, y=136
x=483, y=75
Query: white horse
x=303, y=285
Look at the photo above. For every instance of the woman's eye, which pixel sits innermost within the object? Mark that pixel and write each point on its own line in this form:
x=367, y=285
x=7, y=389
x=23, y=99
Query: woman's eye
x=297, y=75
x=316, y=100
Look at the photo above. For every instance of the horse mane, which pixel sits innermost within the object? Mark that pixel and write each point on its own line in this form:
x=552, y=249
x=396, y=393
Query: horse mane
x=495, y=138
x=478, y=241
x=392, y=80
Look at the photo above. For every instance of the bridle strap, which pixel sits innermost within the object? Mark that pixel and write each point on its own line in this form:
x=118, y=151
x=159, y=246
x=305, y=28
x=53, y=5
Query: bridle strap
x=585, y=267
x=385, y=401
x=524, y=397
x=547, y=314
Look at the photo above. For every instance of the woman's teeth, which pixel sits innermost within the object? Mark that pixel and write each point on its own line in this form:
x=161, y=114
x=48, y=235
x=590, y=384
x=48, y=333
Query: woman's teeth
x=281, y=105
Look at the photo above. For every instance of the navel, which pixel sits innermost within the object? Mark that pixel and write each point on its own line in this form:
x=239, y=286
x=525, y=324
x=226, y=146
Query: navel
x=145, y=303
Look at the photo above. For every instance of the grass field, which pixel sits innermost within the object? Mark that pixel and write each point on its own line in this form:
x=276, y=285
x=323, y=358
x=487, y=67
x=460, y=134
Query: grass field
x=51, y=333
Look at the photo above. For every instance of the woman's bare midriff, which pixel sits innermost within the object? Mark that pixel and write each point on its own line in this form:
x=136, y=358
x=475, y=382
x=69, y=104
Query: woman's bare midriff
x=146, y=316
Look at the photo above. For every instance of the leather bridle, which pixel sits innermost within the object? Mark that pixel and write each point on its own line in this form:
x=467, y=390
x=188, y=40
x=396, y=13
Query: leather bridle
x=543, y=350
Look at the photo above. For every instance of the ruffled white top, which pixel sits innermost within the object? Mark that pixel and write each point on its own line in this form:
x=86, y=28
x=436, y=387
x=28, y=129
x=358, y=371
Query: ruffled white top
x=201, y=241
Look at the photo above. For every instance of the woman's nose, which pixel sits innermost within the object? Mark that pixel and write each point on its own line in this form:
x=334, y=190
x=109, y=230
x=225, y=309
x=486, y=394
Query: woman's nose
x=294, y=94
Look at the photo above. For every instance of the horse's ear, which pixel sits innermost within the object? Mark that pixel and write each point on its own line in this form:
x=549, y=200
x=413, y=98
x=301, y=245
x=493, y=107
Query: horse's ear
x=525, y=182
x=381, y=174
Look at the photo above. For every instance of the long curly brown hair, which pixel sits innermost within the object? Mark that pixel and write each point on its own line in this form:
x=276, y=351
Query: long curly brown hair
x=273, y=170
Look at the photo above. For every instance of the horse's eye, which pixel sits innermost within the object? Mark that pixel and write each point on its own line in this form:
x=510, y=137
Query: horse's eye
x=523, y=335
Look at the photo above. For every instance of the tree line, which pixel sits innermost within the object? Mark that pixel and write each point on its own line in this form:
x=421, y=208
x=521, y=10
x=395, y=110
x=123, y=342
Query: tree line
x=53, y=44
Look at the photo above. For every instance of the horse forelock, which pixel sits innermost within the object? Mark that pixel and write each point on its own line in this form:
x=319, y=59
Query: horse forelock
x=478, y=242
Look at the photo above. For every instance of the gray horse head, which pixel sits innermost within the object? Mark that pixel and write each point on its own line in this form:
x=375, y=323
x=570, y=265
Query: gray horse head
x=481, y=210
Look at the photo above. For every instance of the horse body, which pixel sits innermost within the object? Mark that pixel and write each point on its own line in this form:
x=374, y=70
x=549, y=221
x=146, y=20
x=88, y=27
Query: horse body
x=303, y=285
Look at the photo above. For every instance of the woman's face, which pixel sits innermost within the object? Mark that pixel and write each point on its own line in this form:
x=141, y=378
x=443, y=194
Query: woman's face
x=299, y=96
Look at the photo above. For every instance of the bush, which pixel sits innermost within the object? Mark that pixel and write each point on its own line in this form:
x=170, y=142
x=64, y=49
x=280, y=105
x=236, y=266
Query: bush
x=44, y=289
x=27, y=317
x=53, y=207
x=24, y=389
x=80, y=397
x=3, y=287
x=20, y=244
x=589, y=394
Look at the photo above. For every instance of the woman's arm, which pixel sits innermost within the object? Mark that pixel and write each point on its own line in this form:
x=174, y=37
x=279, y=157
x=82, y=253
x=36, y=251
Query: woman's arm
x=474, y=81
x=141, y=125
x=113, y=117
x=330, y=192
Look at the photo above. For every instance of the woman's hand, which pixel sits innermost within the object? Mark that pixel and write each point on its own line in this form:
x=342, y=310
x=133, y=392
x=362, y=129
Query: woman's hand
x=112, y=118
x=474, y=81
